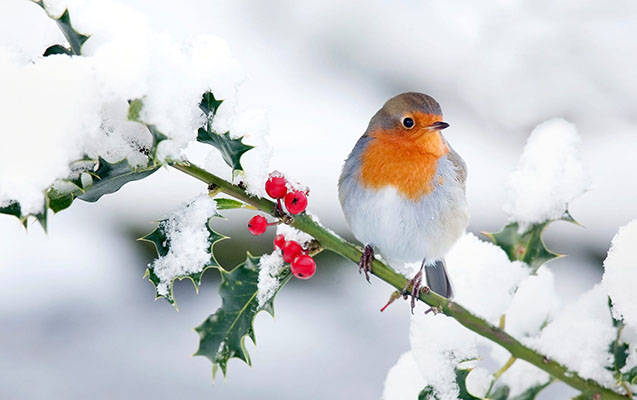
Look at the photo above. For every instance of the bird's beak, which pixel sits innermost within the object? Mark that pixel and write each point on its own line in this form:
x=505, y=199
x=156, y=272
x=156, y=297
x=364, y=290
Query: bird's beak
x=438, y=125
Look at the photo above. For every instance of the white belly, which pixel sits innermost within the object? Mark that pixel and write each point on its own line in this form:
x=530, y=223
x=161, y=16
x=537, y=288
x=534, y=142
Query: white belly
x=402, y=230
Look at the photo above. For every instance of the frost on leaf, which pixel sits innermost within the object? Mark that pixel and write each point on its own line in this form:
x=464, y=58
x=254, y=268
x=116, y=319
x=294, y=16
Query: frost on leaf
x=222, y=334
x=231, y=149
x=185, y=245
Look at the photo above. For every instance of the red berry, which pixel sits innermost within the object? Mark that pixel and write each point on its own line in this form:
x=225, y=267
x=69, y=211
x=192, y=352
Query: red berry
x=291, y=250
x=303, y=267
x=257, y=225
x=276, y=187
x=296, y=202
x=279, y=241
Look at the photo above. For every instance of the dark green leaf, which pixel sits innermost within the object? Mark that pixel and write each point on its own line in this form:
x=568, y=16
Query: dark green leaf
x=57, y=49
x=14, y=208
x=619, y=351
x=428, y=393
x=109, y=178
x=501, y=393
x=222, y=334
x=209, y=105
x=231, y=149
x=528, y=247
x=75, y=39
x=461, y=380
x=159, y=238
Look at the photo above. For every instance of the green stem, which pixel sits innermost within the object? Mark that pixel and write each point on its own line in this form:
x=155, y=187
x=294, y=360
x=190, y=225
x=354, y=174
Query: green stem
x=330, y=241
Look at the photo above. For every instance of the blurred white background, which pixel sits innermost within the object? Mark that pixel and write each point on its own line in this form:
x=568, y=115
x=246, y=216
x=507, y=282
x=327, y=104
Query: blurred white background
x=79, y=322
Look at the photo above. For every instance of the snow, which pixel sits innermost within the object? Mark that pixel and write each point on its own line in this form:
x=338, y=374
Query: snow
x=522, y=376
x=533, y=305
x=580, y=336
x=620, y=274
x=438, y=344
x=188, y=239
x=81, y=102
x=484, y=279
x=270, y=268
x=404, y=380
x=291, y=233
x=478, y=381
x=549, y=175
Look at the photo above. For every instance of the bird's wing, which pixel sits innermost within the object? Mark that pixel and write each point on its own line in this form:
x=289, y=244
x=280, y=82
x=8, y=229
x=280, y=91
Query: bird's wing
x=459, y=163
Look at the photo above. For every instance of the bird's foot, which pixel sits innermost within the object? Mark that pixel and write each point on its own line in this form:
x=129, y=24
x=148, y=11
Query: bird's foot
x=413, y=289
x=365, y=263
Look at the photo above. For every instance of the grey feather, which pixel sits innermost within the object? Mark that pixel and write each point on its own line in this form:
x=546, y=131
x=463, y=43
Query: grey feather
x=438, y=280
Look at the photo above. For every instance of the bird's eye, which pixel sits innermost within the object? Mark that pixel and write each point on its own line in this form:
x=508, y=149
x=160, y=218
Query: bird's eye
x=408, y=122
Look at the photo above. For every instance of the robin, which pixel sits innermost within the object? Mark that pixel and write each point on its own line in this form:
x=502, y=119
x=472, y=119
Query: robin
x=402, y=191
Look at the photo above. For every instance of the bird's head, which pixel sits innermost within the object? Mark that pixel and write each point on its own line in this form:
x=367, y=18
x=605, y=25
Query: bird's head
x=411, y=121
x=408, y=115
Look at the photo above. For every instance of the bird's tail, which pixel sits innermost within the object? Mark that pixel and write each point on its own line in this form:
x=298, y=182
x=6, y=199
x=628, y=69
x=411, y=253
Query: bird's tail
x=438, y=280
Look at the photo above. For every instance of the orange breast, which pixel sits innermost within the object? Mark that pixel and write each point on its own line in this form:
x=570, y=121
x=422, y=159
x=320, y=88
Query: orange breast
x=406, y=162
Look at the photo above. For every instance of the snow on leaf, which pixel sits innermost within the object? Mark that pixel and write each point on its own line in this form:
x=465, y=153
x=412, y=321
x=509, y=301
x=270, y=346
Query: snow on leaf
x=231, y=149
x=222, y=334
x=134, y=110
x=161, y=238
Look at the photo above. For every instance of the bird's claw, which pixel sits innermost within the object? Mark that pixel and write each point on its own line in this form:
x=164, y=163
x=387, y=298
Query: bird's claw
x=365, y=263
x=412, y=289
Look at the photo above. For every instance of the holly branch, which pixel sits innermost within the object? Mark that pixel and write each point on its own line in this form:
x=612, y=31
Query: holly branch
x=330, y=241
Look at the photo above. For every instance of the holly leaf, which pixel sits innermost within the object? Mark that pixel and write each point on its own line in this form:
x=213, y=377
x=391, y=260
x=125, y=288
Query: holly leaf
x=231, y=149
x=619, y=351
x=56, y=49
x=222, y=335
x=461, y=380
x=160, y=240
x=209, y=105
x=14, y=208
x=109, y=178
x=527, y=246
x=75, y=39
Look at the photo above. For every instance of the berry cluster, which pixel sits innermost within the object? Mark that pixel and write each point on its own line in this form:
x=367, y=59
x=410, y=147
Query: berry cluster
x=301, y=264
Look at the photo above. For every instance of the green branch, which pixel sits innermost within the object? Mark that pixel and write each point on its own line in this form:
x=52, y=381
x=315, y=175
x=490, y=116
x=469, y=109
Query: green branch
x=329, y=241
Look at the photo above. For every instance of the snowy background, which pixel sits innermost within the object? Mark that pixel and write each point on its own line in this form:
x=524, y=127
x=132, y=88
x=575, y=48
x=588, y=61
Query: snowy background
x=78, y=321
